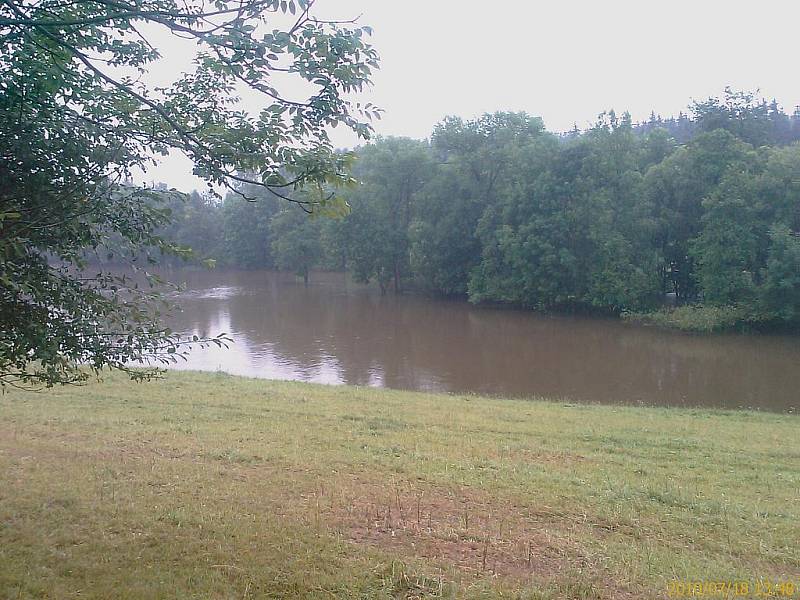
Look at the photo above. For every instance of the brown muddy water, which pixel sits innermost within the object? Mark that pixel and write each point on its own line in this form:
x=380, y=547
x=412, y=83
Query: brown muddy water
x=338, y=332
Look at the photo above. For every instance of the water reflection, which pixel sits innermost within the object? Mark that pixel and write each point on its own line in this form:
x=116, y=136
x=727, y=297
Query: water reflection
x=335, y=331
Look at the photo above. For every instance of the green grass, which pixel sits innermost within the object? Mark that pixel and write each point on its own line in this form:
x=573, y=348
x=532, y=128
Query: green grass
x=696, y=317
x=212, y=486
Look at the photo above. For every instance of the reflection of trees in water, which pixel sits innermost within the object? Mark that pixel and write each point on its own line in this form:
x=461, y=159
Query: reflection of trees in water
x=200, y=316
x=338, y=332
x=366, y=335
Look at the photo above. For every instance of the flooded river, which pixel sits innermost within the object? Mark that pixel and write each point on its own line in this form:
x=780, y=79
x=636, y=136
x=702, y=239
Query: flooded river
x=335, y=331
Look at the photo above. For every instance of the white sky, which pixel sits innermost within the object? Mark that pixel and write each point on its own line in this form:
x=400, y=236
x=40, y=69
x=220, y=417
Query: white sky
x=563, y=60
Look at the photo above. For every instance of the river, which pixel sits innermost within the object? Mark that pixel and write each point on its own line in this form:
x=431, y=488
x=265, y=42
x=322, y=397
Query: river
x=337, y=332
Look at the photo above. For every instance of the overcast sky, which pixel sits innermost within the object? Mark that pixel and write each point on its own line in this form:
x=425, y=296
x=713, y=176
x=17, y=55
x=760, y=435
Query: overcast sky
x=563, y=60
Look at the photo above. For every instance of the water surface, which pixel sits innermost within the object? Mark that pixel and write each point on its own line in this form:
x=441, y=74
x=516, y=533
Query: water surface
x=338, y=332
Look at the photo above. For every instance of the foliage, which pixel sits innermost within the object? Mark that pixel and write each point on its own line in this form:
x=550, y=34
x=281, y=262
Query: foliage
x=477, y=158
x=56, y=315
x=676, y=188
x=726, y=251
x=245, y=228
x=443, y=246
x=295, y=241
x=780, y=292
x=752, y=120
x=393, y=171
x=78, y=114
x=204, y=238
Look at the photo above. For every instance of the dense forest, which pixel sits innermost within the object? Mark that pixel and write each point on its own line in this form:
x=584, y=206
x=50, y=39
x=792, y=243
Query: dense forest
x=702, y=210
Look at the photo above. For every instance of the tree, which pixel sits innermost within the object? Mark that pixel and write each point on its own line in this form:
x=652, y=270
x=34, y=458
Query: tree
x=77, y=115
x=295, y=241
x=756, y=122
x=443, y=246
x=747, y=251
x=727, y=249
x=476, y=162
x=194, y=225
x=364, y=234
x=569, y=227
x=525, y=248
x=618, y=220
x=394, y=171
x=247, y=241
x=676, y=188
x=780, y=292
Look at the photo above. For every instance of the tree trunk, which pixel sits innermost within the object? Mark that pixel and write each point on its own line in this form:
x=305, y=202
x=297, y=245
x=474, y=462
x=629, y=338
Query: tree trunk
x=305, y=276
x=397, y=277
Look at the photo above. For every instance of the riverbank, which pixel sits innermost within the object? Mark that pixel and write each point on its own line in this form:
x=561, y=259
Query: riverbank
x=708, y=319
x=212, y=486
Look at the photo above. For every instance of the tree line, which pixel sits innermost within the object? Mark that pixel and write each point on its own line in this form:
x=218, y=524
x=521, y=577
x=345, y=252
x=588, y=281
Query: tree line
x=703, y=209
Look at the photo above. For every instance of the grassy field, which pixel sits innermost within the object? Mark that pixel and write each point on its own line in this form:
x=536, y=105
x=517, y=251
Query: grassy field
x=212, y=486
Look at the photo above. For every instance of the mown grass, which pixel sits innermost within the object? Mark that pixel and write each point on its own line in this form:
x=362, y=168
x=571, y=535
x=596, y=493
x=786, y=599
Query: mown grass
x=212, y=486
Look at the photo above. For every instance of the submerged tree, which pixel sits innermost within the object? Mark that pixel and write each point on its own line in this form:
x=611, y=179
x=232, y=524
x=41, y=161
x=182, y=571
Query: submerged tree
x=295, y=241
x=477, y=166
x=393, y=171
x=77, y=116
x=245, y=228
